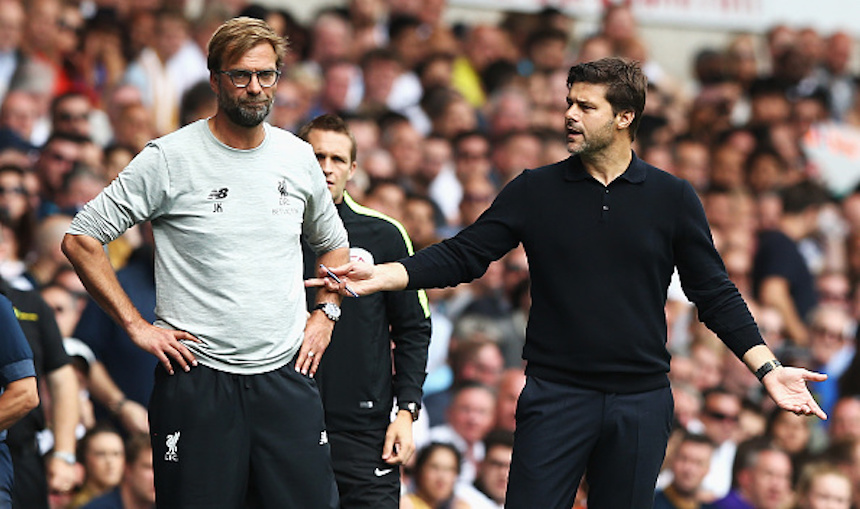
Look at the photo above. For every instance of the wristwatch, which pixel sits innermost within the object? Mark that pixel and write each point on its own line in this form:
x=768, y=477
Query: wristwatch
x=413, y=408
x=330, y=309
x=766, y=368
x=67, y=457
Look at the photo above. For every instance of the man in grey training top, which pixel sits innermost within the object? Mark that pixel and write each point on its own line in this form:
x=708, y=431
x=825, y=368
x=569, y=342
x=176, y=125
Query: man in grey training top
x=241, y=422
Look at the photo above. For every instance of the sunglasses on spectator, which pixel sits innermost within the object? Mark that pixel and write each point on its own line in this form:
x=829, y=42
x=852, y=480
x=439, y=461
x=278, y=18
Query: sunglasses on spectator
x=20, y=191
x=719, y=416
x=72, y=117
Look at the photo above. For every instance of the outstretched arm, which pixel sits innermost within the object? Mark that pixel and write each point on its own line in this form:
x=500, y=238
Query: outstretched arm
x=786, y=385
x=363, y=278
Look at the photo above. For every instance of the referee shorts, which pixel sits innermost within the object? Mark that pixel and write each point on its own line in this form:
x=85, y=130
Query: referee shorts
x=364, y=480
x=232, y=441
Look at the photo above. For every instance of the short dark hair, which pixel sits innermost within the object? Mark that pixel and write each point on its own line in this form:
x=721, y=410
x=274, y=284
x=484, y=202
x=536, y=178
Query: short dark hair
x=98, y=429
x=697, y=438
x=748, y=453
x=135, y=445
x=423, y=455
x=498, y=437
x=802, y=196
x=333, y=123
x=56, y=101
x=625, y=81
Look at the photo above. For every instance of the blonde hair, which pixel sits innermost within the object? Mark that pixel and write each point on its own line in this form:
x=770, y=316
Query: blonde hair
x=239, y=35
x=813, y=471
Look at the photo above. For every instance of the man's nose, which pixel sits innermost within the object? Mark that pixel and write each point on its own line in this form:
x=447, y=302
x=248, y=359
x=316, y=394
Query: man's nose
x=254, y=85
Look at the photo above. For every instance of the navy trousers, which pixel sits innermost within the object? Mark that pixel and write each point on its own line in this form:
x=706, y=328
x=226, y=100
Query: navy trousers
x=617, y=440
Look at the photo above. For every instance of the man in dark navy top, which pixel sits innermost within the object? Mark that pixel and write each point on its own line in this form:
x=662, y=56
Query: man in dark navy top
x=18, y=391
x=603, y=232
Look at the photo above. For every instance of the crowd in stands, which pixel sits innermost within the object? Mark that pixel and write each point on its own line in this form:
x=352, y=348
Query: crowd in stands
x=444, y=114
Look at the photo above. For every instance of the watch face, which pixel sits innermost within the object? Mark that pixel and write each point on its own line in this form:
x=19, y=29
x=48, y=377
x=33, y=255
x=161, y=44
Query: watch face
x=331, y=310
x=413, y=409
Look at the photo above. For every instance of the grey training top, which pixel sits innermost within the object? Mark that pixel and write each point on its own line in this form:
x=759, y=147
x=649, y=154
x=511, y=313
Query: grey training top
x=227, y=225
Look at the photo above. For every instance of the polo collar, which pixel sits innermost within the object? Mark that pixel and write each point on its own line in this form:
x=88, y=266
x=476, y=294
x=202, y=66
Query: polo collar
x=635, y=172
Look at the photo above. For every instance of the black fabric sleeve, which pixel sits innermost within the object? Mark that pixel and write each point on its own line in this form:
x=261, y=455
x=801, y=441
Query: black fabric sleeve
x=705, y=280
x=409, y=316
x=53, y=352
x=467, y=255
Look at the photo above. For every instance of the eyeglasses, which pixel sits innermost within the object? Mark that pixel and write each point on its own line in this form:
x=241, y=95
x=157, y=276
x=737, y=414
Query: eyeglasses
x=719, y=416
x=242, y=78
x=827, y=333
x=66, y=116
x=20, y=191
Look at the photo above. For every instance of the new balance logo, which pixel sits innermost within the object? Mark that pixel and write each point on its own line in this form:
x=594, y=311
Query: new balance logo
x=379, y=473
x=323, y=437
x=218, y=194
x=172, y=453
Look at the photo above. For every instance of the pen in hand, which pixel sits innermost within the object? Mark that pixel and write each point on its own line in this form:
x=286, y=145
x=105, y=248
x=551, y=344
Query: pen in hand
x=337, y=280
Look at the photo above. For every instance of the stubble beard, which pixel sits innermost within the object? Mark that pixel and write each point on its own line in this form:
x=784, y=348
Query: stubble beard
x=247, y=113
x=594, y=143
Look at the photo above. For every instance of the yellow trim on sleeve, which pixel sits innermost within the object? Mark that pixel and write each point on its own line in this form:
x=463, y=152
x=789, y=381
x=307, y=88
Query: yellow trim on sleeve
x=367, y=211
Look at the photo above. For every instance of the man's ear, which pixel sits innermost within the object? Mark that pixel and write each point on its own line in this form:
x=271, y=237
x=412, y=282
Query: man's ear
x=625, y=118
x=352, y=168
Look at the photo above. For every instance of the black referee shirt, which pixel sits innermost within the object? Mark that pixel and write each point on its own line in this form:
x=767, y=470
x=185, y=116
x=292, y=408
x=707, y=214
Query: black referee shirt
x=600, y=260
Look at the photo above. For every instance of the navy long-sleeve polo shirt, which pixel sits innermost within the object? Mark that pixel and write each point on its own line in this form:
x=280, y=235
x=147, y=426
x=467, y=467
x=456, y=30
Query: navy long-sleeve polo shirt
x=600, y=261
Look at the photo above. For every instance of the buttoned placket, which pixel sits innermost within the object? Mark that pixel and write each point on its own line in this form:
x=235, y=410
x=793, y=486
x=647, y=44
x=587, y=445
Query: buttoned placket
x=605, y=205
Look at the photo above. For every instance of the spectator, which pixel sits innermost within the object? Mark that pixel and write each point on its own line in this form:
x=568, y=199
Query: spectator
x=484, y=45
x=511, y=385
x=845, y=419
x=419, y=219
x=18, y=116
x=793, y=434
x=472, y=360
x=437, y=467
x=831, y=349
x=48, y=257
x=137, y=489
x=689, y=465
x=468, y=420
x=13, y=18
x=169, y=65
x=70, y=114
x=102, y=454
x=19, y=215
x=720, y=415
x=56, y=160
x=491, y=481
x=781, y=275
x=93, y=378
x=823, y=486
x=835, y=74
x=514, y=152
x=761, y=478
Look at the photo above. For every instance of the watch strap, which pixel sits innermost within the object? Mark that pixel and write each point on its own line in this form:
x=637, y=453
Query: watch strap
x=766, y=368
